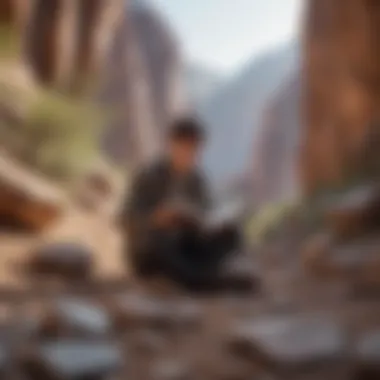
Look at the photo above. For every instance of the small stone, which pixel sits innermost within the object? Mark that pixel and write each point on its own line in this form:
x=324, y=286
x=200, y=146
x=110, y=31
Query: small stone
x=171, y=370
x=75, y=317
x=187, y=313
x=239, y=275
x=291, y=342
x=67, y=260
x=368, y=355
x=135, y=310
x=73, y=360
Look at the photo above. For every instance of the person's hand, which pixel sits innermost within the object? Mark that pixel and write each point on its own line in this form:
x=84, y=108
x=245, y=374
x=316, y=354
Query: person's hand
x=164, y=217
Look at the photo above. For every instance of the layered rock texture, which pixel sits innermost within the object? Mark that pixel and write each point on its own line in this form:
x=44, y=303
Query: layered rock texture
x=275, y=171
x=143, y=80
x=27, y=201
x=342, y=72
x=233, y=113
x=81, y=48
x=124, y=50
x=64, y=41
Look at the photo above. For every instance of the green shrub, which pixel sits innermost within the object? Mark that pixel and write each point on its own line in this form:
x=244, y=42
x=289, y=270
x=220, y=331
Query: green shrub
x=63, y=134
x=267, y=220
x=9, y=42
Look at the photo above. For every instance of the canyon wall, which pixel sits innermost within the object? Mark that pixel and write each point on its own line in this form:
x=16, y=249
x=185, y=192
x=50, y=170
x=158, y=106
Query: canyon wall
x=275, y=174
x=342, y=87
x=122, y=53
x=232, y=114
x=159, y=49
x=131, y=136
x=143, y=81
x=64, y=42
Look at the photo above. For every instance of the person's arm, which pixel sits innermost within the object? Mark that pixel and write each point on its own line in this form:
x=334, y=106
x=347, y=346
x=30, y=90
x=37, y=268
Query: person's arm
x=140, y=207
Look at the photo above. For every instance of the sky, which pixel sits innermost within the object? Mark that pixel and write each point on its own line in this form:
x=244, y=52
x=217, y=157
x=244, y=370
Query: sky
x=224, y=34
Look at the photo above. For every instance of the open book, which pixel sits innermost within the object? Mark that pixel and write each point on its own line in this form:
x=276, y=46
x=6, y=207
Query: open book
x=222, y=214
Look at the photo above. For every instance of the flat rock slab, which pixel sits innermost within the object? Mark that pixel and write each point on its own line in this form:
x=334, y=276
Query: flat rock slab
x=368, y=354
x=290, y=342
x=354, y=212
x=75, y=318
x=171, y=370
x=27, y=198
x=186, y=313
x=240, y=275
x=358, y=260
x=66, y=260
x=135, y=310
x=73, y=360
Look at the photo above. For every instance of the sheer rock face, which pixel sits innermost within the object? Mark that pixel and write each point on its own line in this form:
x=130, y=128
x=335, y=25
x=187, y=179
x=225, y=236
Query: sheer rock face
x=65, y=41
x=161, y=54
x=276, y=146
x=14, y=12
x=143, y=82
x=342, y=88
x=68, y=43
x=132, y=136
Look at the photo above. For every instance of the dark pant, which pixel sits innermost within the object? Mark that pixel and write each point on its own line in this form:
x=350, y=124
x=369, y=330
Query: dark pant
x=192, y=258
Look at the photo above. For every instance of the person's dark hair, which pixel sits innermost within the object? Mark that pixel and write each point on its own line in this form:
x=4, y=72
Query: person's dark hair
x=187, y=129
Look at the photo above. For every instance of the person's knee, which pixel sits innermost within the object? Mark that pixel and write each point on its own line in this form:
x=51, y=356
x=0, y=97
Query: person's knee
x=228, y=238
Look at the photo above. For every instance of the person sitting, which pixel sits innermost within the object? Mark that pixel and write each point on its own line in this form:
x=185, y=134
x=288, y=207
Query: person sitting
x=165, y=216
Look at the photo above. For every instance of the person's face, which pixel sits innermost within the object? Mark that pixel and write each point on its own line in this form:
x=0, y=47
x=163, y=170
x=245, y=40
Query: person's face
x=184, y=154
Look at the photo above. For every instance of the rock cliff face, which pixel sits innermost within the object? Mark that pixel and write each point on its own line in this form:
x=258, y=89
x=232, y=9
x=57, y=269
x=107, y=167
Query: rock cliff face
x=276, y=146
x=132, y=135
x=233, y=113
x=63, y=41
x=159, y=49
x=201, y=85
x=70, y=44
x=14, y=12
x=143, y=78
x=68, y=40
x=342, y=88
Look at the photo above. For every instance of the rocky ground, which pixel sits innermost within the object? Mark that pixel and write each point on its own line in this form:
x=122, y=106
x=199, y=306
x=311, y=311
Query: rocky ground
x=71, y=310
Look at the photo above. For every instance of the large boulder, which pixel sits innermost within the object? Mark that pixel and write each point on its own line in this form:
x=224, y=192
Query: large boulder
x=25, y=199
x=64, y=260
x=355, y=212
x=368, y=355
